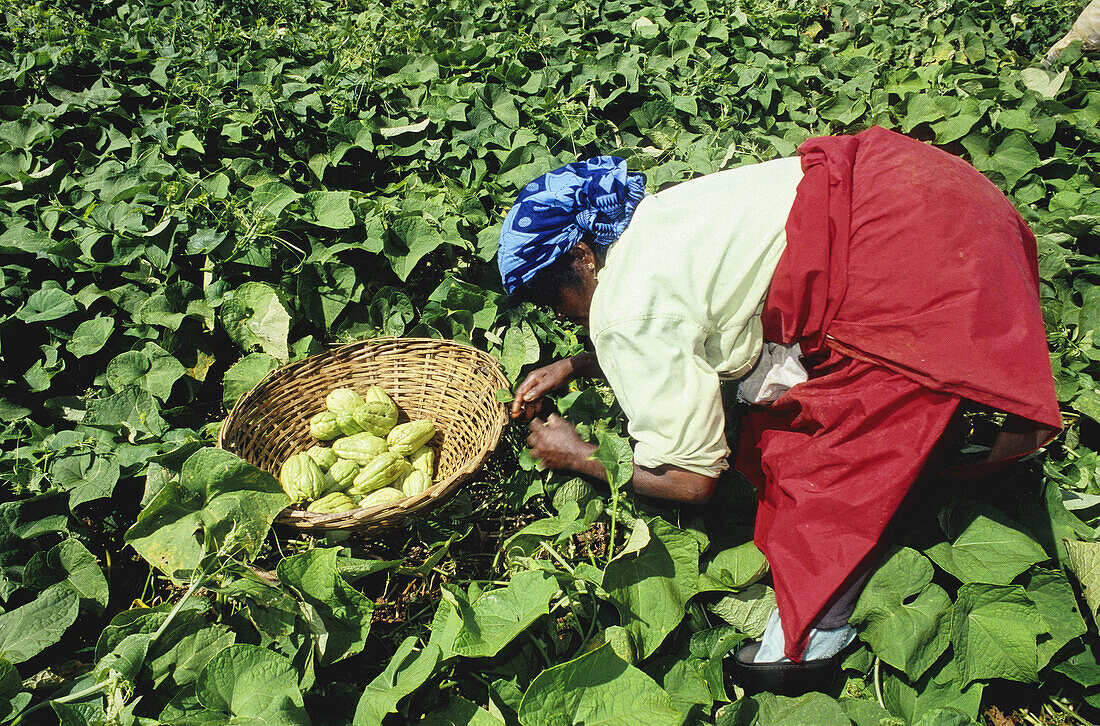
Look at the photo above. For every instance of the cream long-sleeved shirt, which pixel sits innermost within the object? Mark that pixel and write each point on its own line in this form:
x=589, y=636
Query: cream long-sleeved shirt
x=677, y=306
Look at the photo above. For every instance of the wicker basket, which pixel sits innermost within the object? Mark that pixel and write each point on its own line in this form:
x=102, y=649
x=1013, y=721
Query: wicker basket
x=452, y=384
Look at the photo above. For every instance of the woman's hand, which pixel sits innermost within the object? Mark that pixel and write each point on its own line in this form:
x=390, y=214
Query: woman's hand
x=539, y=382
x=557, y=445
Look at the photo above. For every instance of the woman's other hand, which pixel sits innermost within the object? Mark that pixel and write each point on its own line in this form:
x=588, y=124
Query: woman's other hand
x=539, y=382
x=557, y=445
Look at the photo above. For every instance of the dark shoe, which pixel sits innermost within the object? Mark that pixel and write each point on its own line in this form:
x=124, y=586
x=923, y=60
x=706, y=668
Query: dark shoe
x=783, y=679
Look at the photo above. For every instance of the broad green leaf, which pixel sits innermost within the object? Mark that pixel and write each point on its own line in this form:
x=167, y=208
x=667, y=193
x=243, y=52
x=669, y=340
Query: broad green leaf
x=256, y=318
x=496, y=617
x=71, y=563
x=181, y=655
x=250, y=682
x=331, y=209
x=1057, y=605
x=90, y=336
x=650, y=588
x=407, y=670
x=1044, y=82
x=812, y=708
x=748, y=610
x=418, y=238
x=616, y=456
x=132, y=409
x=865, y=712
x=734, y=567
x=272, y=198
x=1084, y=563
x=985, y=545
x=596, y=689
x=460, y=712
x=153, y=369
x=939, y=687
x=29, y=629
x=993, y=631
x=1014, y=157
x=86, y=476
x=48, y=303
x=219, y=501
x=339, y=615
x=243, y=375
x=902, y=615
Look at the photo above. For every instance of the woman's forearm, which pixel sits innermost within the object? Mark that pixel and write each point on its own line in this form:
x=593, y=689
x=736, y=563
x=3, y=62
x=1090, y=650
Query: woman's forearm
x=666, y=482
x=585, y=365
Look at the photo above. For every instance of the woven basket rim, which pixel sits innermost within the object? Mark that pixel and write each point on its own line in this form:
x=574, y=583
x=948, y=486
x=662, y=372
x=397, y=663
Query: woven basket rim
x=392, y=514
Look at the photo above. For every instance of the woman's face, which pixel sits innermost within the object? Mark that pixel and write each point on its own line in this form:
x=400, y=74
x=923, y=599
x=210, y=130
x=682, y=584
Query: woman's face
x=575, y=301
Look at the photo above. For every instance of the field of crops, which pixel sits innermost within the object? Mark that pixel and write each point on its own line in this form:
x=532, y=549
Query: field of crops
x=195, y=192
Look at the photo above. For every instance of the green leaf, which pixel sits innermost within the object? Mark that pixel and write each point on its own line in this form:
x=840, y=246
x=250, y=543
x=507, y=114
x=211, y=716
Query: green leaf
x=407, y=670
x=495, y=618
x=902, y=615
x=86, y=476
x=272, y=198
x=1044, y=82
x=651, y=587
x=993, y=631
x=243, y=375
x=339, y=615
x=418, y=237
x=1013, y=158
x=29, y=629
x=747, y=610
x=153, y=369
x=939, y=687
x=48, y=303
x=733, y=568
x=986, y=546
x=812, y=708
x=331, y=209
x=596, y=689
x=255, y=318
x=90, y=336
x=250, y=682
x=616, y=456
x=1057, y=605
x=132, y=409
x=1084, y=563
x=71, y=563
x=219, y=502
x=460, y=712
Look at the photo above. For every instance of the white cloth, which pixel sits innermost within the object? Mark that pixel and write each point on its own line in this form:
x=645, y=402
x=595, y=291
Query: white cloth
x=677, y=306
x=778, y=369
x=820, y=645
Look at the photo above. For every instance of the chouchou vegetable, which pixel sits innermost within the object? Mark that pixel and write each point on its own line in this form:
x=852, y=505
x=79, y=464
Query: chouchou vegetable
x=343, y=473
x=376, y=416
x=324, y=427
x=323, y=455
x=385, y=495
x=408, y=437
x=360, y=448
x=423, y=459
x=333, y=503
x=381, y=471
x=343, y=399
x=415, y=482
x=345, y=420
x=301, y=478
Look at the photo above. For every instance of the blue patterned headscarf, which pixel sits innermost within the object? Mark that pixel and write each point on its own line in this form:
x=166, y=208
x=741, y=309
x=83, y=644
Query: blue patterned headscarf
x=594, y=197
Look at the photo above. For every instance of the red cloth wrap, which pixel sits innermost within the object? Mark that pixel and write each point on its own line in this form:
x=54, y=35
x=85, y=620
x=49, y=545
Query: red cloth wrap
x=913, y=282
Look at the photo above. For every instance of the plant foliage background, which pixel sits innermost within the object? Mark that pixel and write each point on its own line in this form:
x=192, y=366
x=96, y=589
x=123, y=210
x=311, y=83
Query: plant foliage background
x=193, y=193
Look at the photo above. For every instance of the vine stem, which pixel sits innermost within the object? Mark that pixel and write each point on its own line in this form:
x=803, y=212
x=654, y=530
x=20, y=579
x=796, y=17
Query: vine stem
x=878, y=681
x=1070, y=712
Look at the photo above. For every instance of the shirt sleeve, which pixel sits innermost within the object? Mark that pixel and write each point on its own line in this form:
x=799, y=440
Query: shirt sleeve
x=670, y=394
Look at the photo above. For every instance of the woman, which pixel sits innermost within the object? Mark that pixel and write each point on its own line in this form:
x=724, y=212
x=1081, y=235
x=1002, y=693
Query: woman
x=859, y=291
